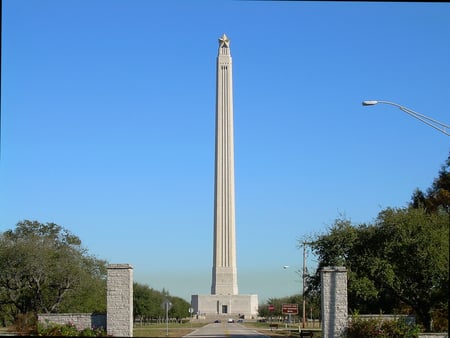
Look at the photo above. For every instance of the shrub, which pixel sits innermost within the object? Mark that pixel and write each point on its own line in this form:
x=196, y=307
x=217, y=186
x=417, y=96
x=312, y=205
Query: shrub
x=69, y=330
x=25, y=324
x=379, y=328
x=440, y=320
x=99, y=332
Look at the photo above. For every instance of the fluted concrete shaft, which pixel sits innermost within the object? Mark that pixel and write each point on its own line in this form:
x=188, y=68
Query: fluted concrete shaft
x=224, y=274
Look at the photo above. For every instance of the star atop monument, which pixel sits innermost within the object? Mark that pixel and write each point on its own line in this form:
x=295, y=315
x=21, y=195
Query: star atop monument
x=224, y=41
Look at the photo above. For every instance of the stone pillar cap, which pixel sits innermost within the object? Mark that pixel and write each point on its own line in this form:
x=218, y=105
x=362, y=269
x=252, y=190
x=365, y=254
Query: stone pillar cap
x=120, y=266
x=334, y=268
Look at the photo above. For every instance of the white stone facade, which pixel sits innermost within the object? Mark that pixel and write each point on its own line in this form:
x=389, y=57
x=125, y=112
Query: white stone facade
x=334, y=301
x=120, y=300
x=225, y=305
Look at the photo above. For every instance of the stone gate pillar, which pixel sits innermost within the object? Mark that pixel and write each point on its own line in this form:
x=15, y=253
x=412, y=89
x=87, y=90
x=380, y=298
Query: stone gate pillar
x=334, y=301
x=119, y=300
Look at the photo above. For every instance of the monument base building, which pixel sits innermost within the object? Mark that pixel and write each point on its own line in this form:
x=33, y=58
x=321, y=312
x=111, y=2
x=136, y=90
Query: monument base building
x=245, y=306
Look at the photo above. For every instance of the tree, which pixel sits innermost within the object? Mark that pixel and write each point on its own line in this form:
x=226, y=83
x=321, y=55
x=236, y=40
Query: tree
x=44, y=268
x=437, y=196
x=147, y=304
x=348, y=245
x=90, y=295
x=414, y=263
x=180, y=308
x=401, y=259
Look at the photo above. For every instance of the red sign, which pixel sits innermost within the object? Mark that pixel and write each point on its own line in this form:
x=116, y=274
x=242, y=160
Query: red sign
x=290, y=309
x=271, y=307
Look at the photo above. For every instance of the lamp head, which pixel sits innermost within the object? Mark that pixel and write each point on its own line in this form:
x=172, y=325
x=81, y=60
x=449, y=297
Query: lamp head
x=369, y=103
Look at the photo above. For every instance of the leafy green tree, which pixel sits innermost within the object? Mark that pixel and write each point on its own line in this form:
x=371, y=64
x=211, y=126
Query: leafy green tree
x=90, y=295
x=437, y=197
x=148, y=304
x=180, y=308
x=347, y=245
x=413, y=266
x=44, y=268
x=401, y=259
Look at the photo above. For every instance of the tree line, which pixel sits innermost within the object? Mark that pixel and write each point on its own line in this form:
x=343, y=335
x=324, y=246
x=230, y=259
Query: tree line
x=148, y=305
x=45, y=269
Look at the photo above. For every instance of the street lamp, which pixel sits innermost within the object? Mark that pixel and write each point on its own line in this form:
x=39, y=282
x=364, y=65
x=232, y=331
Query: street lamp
x=425, y=119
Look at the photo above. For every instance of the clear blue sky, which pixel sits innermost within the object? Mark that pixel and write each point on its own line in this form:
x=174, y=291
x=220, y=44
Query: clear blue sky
x=108, y=125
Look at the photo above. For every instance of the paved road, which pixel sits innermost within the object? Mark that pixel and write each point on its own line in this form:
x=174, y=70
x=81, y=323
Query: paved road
x=221, y=330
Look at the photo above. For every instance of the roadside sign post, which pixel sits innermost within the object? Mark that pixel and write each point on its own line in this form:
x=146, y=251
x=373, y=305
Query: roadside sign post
x=191, y=311
x=271, y=308
x=167, y=305
x=289, y=309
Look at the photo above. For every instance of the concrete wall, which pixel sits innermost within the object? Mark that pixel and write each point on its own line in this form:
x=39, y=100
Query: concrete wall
x=334, y=301
x=408, y=319
x=119, y=318
x=119, y=301
x=80, y=320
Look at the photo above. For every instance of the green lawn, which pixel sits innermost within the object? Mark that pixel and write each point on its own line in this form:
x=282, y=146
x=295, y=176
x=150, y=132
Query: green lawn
x=160, y=330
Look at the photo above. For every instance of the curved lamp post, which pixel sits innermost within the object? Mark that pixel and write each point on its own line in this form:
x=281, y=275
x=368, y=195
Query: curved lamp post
x=425, y=119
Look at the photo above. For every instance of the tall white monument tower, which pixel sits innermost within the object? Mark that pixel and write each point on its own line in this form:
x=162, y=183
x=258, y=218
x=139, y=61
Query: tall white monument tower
x=224, y=298
x=224, y=274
